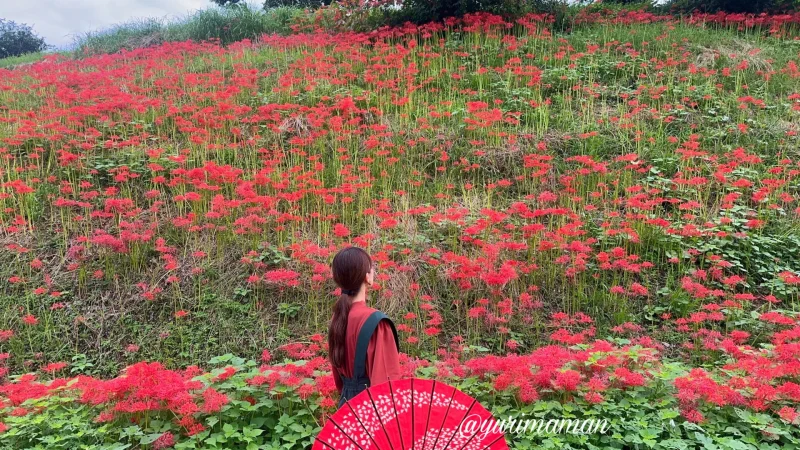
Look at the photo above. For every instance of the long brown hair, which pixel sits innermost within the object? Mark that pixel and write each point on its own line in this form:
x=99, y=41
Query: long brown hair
x=349, y=268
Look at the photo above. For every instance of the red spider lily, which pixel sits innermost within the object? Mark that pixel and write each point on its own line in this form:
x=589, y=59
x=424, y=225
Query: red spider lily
x=518, y=218
x=166, y=440
x=30, y=319
x=54, y=367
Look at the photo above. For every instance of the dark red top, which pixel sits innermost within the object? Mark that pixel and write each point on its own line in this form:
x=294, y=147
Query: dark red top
x=383, y=361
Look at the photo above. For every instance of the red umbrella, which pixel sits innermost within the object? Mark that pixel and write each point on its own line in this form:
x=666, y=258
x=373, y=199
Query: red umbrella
x=411, y=414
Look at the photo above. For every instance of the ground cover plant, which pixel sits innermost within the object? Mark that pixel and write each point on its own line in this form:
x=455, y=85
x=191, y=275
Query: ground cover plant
x=599, y=221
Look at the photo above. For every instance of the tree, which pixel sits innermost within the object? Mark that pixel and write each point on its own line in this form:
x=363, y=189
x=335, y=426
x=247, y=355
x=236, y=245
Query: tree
x=18, y=39
x=225, y=2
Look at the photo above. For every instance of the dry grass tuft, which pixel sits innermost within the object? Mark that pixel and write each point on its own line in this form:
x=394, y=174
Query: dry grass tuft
x=147, y=40
x=739, y=51
x=297, y=126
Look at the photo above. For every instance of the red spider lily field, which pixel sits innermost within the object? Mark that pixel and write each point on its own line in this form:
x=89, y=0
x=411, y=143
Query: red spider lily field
x=599, y=222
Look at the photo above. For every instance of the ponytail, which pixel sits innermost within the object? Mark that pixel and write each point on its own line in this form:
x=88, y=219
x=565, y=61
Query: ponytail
x=349, y=269
x=338, y=330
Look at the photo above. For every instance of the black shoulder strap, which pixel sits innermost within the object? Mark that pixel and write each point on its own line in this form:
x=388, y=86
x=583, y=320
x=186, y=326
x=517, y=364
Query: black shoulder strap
x=364, y=336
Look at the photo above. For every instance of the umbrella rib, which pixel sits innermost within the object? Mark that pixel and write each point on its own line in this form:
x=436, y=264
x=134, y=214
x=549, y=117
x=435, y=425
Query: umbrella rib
x=396, y=418
x=379, y=418
x=345, y=434
x=473, y=437
x=468, y=441
x=428, y=419
x=323, y=443
x=452, y=396
x=347, y=402
x=413, y=445
x=462, y=421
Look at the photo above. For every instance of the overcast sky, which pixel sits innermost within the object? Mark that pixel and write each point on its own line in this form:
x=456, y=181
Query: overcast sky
x=58, y=21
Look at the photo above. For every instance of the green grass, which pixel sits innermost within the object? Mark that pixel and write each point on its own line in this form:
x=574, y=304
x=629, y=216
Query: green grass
x=130, y=35
x=8, y=63
x=227, y=25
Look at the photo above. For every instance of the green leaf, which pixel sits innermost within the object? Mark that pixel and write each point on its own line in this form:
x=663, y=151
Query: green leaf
x=149, y=438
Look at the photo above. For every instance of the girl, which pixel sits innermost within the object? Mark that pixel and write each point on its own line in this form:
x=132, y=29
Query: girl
x=362, y=342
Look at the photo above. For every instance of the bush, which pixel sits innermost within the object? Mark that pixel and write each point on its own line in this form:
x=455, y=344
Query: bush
x=341, y=17
x=384, y=12
x=18, y=39
x=622, y=2
x=421, y=11
x=733, y=6
x=270, y=4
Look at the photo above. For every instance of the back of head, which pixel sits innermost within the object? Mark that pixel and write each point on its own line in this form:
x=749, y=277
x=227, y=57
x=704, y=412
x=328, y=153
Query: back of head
x=349, y=269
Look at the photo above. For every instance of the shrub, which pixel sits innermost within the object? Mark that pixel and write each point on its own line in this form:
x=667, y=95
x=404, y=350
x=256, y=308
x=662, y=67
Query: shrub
x=18, y=39
x=344, y=17
x=622, y=2
x=270, y=4
x=421, y=11
x=388, y=12
x=733, y=6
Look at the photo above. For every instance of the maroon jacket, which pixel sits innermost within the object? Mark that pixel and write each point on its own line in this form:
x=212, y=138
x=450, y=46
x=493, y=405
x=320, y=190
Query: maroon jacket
x=383, y=361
